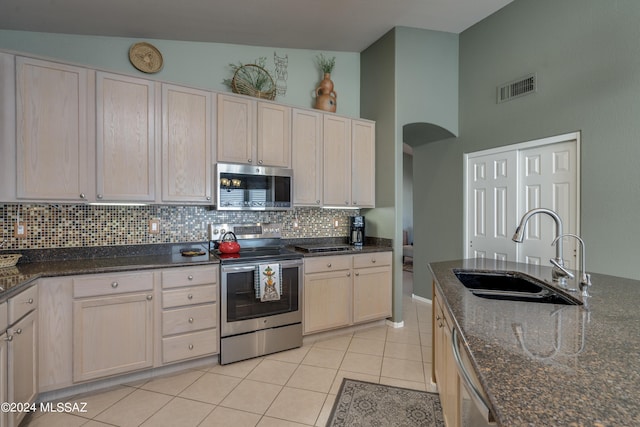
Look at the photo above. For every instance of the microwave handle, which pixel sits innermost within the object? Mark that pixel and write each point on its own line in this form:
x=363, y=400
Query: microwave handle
x=478, y=398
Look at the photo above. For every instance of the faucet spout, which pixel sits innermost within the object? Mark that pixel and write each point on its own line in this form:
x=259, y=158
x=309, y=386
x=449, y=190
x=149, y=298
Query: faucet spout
x=558, y=273
x=585, y=278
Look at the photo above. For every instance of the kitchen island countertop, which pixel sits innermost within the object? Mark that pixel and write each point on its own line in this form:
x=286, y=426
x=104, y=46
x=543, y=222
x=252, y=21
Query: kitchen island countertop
x=551, y=365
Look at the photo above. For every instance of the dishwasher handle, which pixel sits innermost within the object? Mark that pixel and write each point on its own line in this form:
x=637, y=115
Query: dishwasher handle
x=476, y=395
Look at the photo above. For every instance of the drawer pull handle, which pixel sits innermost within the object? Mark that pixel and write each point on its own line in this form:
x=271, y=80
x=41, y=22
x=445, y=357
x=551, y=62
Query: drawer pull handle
x=190, y=346
x=190, y=319
x=149, y=297
x=190, y=277
x=190, y=296
x=114, y=285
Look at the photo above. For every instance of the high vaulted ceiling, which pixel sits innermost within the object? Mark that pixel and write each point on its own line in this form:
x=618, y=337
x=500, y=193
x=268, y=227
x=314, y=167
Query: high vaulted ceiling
x=335, y=25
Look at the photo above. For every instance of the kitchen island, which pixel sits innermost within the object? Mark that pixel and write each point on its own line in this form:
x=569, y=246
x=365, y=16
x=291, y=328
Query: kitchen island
x=545, y=364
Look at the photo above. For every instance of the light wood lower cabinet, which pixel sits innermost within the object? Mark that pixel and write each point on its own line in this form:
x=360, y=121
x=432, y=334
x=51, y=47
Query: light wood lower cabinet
x=343, y=290
x=112, y=324
x=446, y=373
x=189, y=313
x=22, y=352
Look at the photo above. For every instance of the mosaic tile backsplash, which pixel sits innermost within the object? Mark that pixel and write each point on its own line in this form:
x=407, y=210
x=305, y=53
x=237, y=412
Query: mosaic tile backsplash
x=68, y=226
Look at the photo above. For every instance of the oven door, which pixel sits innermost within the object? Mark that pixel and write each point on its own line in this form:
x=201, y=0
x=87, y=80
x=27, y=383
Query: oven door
x=242, y=311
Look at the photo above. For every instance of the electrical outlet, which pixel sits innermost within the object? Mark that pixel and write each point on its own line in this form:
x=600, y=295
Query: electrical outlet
x=154, y=226
x=20, y=230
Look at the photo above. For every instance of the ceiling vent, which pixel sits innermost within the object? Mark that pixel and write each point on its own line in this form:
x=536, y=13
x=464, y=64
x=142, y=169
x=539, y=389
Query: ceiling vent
x=517, y=88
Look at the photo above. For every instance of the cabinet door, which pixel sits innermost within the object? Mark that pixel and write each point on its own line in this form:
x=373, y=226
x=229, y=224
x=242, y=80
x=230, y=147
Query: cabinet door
x=55, y=333
x=371, y=293
x=363, y=159
x=274, y=135
x=112, y=335
x=450, y=394
x=3, y=377
x=337, y=161
x=186, y=145
x=22, y=364
x=307, y=158
x=52, y=137
x=236, y=129
x=327, y=301
x=125, y=146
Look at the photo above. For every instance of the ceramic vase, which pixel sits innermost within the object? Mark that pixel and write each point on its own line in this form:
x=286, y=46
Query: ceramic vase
x=326, y=97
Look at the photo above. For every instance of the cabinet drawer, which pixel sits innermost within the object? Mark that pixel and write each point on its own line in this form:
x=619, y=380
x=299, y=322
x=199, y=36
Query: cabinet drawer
x=189, y=296
x=373, y=259
x=108, y=284
x=22, y=303
x=327, y=263
x=189, y=319
x=190, y=345
x=191, y=276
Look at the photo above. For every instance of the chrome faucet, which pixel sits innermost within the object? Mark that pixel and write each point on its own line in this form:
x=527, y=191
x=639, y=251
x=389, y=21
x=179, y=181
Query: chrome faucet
x=558, y=273
x=585, y=278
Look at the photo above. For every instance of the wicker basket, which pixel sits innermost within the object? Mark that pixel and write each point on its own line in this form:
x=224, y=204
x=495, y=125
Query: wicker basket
x=9, y=260
x=249, y=77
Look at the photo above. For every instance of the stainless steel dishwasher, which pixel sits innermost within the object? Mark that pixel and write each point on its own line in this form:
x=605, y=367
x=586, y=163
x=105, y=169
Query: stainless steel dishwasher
x=474, y=406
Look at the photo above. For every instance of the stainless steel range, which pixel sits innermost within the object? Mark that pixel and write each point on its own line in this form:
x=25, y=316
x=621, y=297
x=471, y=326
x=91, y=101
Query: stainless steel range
x=261, y=304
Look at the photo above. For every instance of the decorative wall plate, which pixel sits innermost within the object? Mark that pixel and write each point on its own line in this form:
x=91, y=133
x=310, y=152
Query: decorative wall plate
x=145, y=57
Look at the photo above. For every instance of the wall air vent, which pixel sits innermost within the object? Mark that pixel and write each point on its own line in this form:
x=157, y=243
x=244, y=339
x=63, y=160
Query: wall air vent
x=517, y=88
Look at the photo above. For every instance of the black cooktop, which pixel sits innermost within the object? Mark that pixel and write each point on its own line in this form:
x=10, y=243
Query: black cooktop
x=261, y=254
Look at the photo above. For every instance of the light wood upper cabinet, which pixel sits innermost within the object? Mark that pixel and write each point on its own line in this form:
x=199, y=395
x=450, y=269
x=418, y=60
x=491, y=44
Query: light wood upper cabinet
x=307, y=157
x=236, y=130
x=337, y=161
x=51, y=131
x=126, y=138
x=186, y=145
x=363, y=160
x=274, y=135
x=253, y=132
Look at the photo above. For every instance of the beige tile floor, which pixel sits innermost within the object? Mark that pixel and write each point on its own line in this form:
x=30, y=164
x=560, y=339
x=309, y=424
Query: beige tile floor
x=292, y=388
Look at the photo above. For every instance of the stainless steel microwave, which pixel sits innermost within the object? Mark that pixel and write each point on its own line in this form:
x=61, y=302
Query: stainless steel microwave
x=254, y=188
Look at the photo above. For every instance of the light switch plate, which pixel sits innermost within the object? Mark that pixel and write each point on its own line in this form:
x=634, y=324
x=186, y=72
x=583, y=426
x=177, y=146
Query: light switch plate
x=154, y=226
x=20, y=230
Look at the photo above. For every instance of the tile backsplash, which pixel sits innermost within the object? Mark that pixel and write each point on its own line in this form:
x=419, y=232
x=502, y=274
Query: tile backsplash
x=67, y=226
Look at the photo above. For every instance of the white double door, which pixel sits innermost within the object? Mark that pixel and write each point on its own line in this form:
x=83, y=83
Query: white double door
x=502, y=184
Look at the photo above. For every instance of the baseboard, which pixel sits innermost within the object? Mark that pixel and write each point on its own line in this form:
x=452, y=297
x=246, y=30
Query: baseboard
x=395, y=324
x=421, y=299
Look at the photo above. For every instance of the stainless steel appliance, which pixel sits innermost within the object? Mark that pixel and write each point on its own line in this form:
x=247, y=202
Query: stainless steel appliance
x=260, y=188
x=356, y=230
x=250, y=325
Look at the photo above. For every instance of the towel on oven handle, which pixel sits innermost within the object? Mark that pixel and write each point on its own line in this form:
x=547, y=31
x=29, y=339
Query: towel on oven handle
x=268, y=282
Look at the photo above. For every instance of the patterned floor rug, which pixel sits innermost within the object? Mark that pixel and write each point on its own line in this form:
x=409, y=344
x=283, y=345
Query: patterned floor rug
x=361, y=403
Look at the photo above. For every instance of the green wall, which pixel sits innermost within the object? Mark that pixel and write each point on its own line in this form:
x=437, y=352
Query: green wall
x=202, y=65
x=587, y=58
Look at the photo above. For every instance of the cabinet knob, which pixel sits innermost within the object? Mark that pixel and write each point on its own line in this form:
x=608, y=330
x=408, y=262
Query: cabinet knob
x=99, y=196
x=190, y=277
x=149, y=297
x=346, y=202
x=357, y=274
x=329, y=265
x=348, y=274
x=317, y=202
x=190, y=346
x=440, y=325
x=249, y=160
x=190, y=319
x=83, y=196
x=9, y=338
x=438, y=317
x=373, y=260
x=259, y=162
x=19, y=331
x=208, y=197
x=355, y=202
x=190, y=296
x=30, y=301
x=114, y=285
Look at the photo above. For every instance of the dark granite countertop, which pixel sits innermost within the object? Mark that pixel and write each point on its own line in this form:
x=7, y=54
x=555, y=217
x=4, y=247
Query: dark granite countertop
x=13, y=279
x=551, y=365
x=372, y=244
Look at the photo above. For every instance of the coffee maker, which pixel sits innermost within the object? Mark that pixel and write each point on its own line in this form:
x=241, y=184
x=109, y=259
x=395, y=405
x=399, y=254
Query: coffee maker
x=356, y=231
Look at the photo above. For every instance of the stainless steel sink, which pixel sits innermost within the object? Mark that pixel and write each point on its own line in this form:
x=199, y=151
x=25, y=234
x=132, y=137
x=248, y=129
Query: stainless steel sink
x=512, y=286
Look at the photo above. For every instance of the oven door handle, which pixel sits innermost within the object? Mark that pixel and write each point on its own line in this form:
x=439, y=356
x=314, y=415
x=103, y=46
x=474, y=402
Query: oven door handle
x=238, y=268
